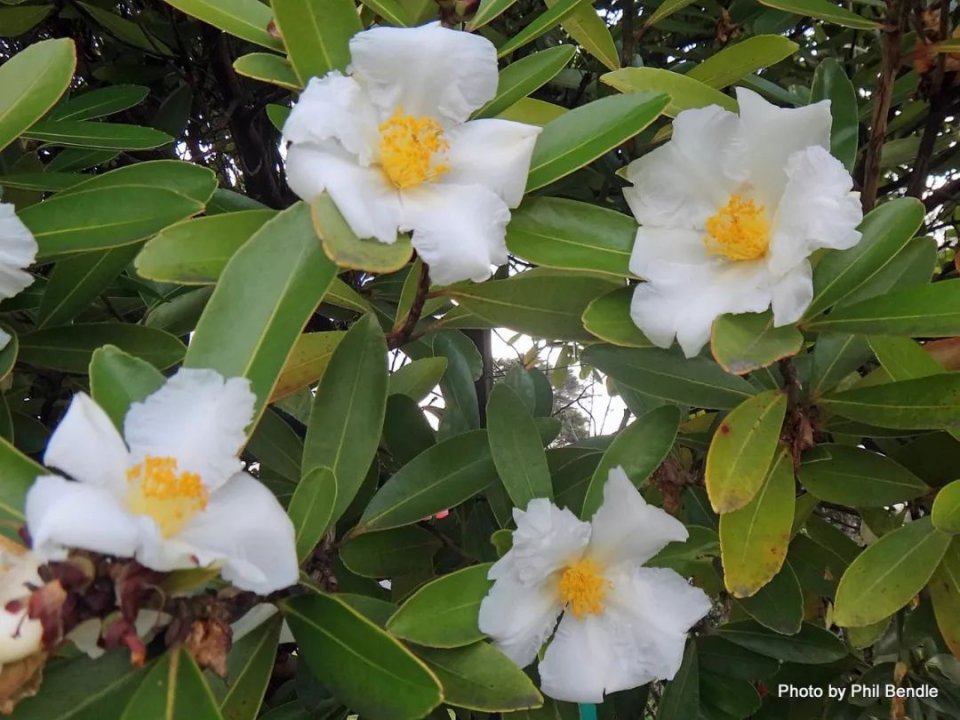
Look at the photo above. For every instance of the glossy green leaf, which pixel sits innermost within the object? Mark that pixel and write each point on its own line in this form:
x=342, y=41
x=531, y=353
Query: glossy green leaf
x=443, y=613
x=195, y=252
x=889, y=573
x=277, y=446
x=742, y=449
x=681, y=695
x=365, y=668
x=544, y=22
x=31, y=82
x=741, y=59
x=268, y=68
x=823, y=10
x=830, y=82
x=19, y=472
x=489, y=10
x=811, y=646
x=778, y=605
x=312, y=509
x=722, y=657
x=350, y=252
x=608, y=318
x=348, y=410
x=923, y=403
x=246, y=19
x=418, y=378
x=580, y=136
x=389, y=553
x=249, y=668
x=666, y=374
x=439, y=478
x=516, y=448
x=754, y=538
x=69, y=348
x=638, y=449
x=857, y=477
x=190, y=181
x=902, y=358
x=97, y=135
x=945, y=594
x=127, y=31
x=519, y=79
x=317, y=33
x=307, y=362
x=590, y=31
x=747, y=342
x=835, y=357
x=173, y=688
x=946, y=509
x=100, y=102
x=389, y=10
x=684, y=92
x=265, y=295
x=118, y=379
x=15, y=21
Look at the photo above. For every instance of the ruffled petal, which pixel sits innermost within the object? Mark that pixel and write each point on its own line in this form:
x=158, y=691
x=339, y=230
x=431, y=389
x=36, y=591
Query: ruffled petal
x=661, y=252
x=87, y=447
x=546, y=540
x=63, y=514
x=659, y=598
x=367, y=201
x=817, y=210
x=519, y=618
x=792, y=295
x=18, y=249
x=251, y=535
x=197, y=417
x=458, y=230
x=582, y=662
x=626, y=530
x=492, y=153
x=428, y=70
x=335, y=107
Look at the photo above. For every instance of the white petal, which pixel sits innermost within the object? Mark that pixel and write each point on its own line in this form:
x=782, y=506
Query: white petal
x=87, y=446
x=335, y=107
x=492, y=153
x=546, y=540
x=768, y=135
x=458, y=230
x=427, y=70
x=367, y=201
x=581, y=663
x=658, y=251
x=198, y=418
x=627, y=530
x=19, y=636
x=817, y=210
x=519, y=618
x=682, y=183
x=246, y=527
x=792, y=295
x=663, y=600
x=63, y=514
x=18, y=249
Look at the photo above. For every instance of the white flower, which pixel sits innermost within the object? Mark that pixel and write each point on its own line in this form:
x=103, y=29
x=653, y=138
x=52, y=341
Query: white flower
x=173, y=495
x=730, y=210
x=19, y=635
x=392, y=146
x=623, y=625
x=18, y=248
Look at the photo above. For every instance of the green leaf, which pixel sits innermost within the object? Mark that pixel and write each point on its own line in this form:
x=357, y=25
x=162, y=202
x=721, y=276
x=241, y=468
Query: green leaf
x=479, y=677
x=9, y=353
x=277, y=446
x=888, y=574
x=722, y=657
x=100, y=102
x=747, y=342
x=190, y=181
x=350, y=252
x=117, y=380
x=265, y=295
x=608, y=318
x=591, y=33
x=418, y=378
x=519, y=79
x=19, y=472
x=31, y=82
x=97, y=135
x=857, y=477
x=666, y=374
x=741, y=59
x=127, y=31
x=249, y=668
x=516, y=448
x=443, y=613
x=488, y=11
x=439, y=478
x=684, y=92
x=902, y=358
x=754, y=538
x=542, y=303
x=69, y=348
x=173, y=688
x=307, y=362
x=390, y=10
x=811, y=646
x=831, y=83
x=406, y=432
x=268, y=68
x=311, y=509
x=681, y=695
x=389, y=553
x=823, y=10
x=638, y=449
x=544, y=22
x=665, y=10
x=946, y=509
x=778, y=605
x=742, y=449
x=245, y=19
x=348, y=410
x=194, y=252
x=945, y=594
x=920, y=404
x=366, y=669
x=571, y=235
x=15, y=21
x=583, y=134
x=317, y=34
x=886, y=231
x=834, y=358
x=924, y=311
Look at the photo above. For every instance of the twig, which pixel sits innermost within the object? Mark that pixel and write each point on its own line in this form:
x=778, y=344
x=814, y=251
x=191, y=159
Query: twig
x=402, y=335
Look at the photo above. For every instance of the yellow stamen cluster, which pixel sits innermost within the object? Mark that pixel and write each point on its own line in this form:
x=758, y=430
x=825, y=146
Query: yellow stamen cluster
x=408, y=145
x=159, y=490
x=583, y=588
x=739, y=230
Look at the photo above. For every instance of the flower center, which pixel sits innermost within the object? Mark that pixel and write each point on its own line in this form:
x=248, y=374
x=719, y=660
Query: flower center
x=739, y=230
x=583, y=588
x=159, y=491
x=408, y=145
